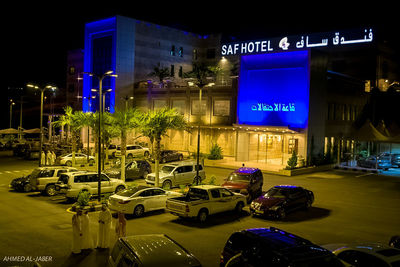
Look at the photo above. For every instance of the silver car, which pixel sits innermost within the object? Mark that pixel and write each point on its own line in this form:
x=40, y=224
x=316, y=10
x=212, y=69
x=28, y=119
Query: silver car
x=80, y=158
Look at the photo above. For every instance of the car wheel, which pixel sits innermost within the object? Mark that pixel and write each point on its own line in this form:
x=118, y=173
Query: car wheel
x=146, y=154
x=129, y=156
x=167, y=184
x=202, y=216
x=281, y=213
x=239, y=207
x=51, y=190
x=27, y=188
x=138, y=211
x=68, y=163
x=119, y=188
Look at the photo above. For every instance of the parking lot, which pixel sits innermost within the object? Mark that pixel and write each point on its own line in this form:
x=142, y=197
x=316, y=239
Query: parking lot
x=349, y=206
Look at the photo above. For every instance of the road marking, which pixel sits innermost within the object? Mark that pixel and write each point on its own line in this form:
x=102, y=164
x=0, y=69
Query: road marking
x=7, y=171
x=364, y=175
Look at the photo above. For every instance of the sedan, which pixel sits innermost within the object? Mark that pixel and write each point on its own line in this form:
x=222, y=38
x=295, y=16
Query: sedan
x=79, y=159
x=169, y=155
x=133, y=170
x=280, y=200
x=21, y=184
x=366, y=254
x=374, y=162
x=141, y=199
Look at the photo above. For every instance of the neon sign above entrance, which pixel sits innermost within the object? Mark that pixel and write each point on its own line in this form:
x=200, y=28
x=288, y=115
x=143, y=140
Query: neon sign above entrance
x=286, y=43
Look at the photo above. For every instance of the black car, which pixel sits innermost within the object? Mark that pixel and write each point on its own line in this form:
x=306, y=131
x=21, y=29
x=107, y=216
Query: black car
x=169, y=155
x=274, y=247
x=133, y=170
x=373, y=162
x=21, y=184
x=282, y=199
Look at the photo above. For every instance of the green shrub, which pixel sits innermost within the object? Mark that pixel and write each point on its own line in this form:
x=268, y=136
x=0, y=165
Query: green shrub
x=292, y=161
x=83, y=198
x=215, y=152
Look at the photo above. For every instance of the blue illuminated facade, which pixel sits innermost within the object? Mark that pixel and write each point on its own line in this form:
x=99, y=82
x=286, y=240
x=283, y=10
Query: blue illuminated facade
x=100, y=57
x=274, y=89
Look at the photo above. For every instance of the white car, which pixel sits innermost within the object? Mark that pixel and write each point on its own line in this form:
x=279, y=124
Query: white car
x=138, y=200
x=366, y=254
x=79, y=159
x=134, y=151
x=71, y=184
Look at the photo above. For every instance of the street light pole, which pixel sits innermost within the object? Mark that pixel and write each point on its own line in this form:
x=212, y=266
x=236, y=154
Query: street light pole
x=198, y=139
x=41, y=115
x=100, y=78
x=11, y=105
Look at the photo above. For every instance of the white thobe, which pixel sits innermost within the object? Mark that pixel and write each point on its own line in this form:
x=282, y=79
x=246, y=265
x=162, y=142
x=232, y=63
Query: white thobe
x=76, y=233
x=87, y=241
x=48, y=158
x=53, y=158
x=103, y=240
x=43, y=158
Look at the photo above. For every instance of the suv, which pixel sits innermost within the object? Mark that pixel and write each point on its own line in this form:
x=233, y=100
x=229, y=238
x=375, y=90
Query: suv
x=150, y=250
x=133, y=151
x=247, y=181
x=274, y=247
x=71, y=184
x=180, y=173
x=44, y=179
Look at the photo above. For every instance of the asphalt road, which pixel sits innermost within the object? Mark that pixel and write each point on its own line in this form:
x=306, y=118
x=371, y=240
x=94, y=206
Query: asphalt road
x=348, y=207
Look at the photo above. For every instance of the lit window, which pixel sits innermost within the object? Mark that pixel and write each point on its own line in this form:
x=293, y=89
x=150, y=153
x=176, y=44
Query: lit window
x=172, y=52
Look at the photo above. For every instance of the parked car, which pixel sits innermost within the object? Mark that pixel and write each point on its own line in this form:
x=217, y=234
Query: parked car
x=140, y=199
x=112, y=149
x=280, y=200
x=21, y=184
x=394, y=159
x=204, y=200
x=133, y=151
x=133, y=170
x=274, y=247
x=169, y=155
x=246, y=181
x=80, y=158
x=374, y=162
x=366, y=254
x=179, y=173
x=71, y=184
x=150, y=250
x=395, y=241
x=44, y=179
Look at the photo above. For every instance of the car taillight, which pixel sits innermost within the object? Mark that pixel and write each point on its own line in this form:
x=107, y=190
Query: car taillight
x=187, y=208
x=124, y=201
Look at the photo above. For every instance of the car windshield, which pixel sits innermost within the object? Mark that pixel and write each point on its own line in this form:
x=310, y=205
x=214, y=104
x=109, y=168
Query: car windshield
x=167, y=169
x=276, y=192
x=239, y=177
x=130, y=191
x=35, y=173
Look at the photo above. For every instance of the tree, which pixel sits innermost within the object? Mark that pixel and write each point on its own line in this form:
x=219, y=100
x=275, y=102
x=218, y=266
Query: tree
x=292, y=161
x=155, y=124
x=160, y=73
x=123, y=121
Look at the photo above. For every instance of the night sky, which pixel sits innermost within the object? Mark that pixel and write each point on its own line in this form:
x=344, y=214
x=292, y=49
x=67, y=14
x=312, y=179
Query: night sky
x=37, y=37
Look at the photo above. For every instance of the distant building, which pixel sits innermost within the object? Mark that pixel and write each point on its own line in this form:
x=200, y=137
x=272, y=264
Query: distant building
x=272, y=97
x=74, y=79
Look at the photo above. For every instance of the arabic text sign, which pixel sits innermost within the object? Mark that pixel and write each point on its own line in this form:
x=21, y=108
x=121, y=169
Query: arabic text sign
x=298, y=42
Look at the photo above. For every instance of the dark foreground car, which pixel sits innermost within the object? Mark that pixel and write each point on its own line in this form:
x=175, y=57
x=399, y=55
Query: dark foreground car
x=21, y=184
x=246, y=181
x=282, y=199
x=274, y=247
x=169, y=155
x=150, y=250
x=133, y=170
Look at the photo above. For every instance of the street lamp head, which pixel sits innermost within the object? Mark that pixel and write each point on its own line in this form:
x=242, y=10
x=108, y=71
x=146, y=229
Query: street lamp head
x=109, y=72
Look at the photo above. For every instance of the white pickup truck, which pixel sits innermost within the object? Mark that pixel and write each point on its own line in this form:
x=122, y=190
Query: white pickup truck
x=204, y=200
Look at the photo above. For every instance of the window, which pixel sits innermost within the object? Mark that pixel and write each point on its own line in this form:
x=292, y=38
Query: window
x=215, y=193
x=126, y=262
x=358, y=258
x=222, y=107
x=172, y=71
x=188, y=168
x=47, y=173
x=146, y=193
x=226, y=192
x=180, y=73
x=92, y=178
x=200, y=167
x=194, y=54
x=71, y=70
x=157, y=192
x=104, y=178
x=180, y=51
x=80, y=179
x=172, y=52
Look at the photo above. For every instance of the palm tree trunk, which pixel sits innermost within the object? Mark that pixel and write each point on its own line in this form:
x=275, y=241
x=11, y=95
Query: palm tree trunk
x=73, y=137
x=123, y=154
x=157, y=161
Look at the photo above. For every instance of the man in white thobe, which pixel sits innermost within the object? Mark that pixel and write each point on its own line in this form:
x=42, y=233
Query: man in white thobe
x=53, y=158
x=77, y=232
x=103, y=240
x=48, y=158
x=43, y=159
x=87, y=241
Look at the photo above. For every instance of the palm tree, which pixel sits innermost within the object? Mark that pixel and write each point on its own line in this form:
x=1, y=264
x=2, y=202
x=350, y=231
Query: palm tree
x=160, y=73
x=123, y=121
x=155, y=124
